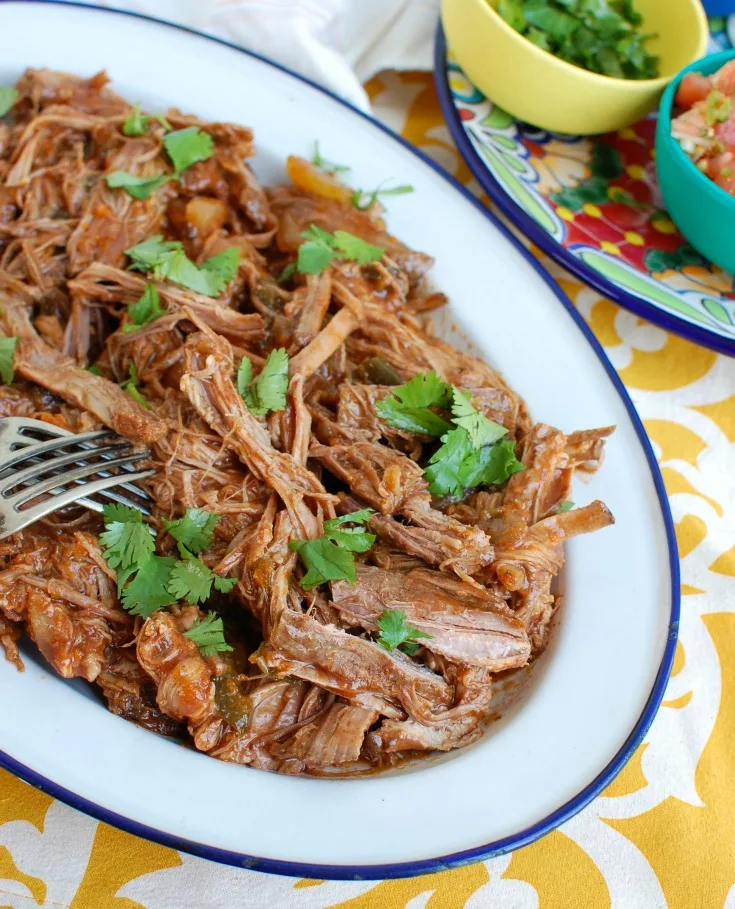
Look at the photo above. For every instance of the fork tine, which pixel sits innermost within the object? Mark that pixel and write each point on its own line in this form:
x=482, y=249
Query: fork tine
x=115, y=496
x=16, y=520
x=41, y=448
x=81, y=473
x=28, y=474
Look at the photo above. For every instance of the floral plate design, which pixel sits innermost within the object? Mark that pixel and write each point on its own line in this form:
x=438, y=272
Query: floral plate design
x=592, y=203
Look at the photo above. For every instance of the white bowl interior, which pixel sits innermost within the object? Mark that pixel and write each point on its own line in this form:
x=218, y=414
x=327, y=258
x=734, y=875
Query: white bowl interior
x=611, y=639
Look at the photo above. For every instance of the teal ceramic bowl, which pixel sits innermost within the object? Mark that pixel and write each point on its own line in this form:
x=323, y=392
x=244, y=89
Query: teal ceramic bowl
x=704, y=213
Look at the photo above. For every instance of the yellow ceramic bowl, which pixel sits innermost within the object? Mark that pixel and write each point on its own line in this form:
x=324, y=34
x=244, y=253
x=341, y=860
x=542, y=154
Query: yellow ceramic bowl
x=537, y=87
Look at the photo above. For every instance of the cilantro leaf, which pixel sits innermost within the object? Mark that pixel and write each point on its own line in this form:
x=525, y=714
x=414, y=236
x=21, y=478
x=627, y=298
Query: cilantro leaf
x=94, y=369
x=288, y=272
x=209, y=635
x=395, y=633
x=268, y=392
x=127, y=540
x=352, y=539
x=324, y=561
x=363, y=200
x=330, y=557
x=7, y=354
x=565, y=506
x=443, y=470
x=327, y=166
x=136, y=123
x=458, y=465
x=406, y=407
x=219, y=270
x=354, y=517
x=146, y=255
x=131, y=387
x=8, y=97
x=480, y=429
x=148, y=591
x=355, y=249
x=137, y=187
x=244, y=376
x=314, y=255
x=322, y=248
x=490, y=465
x=195, y=530
x=145, y=310
x=192, y=580
x=223, y=584
x=187, y=146
x=167, y=260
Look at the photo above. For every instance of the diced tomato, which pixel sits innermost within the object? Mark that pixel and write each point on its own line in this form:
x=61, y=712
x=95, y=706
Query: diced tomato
x=724, y=78
x=693, y=87
x=721, y=169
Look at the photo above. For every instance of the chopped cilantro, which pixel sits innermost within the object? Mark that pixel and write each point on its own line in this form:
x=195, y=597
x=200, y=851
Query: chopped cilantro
x=146, y=255
x=330, y=557
x=145, y=310
x=166, y=259
x=244, y=376
x=188, y=146
x=407, y=406
x=131, y=386
x=148, y=582
x=363, y=200
x=137, y=187
x=598, y=35
x=209, y=635
x=473, y=451
x=327, y=166
x=148, y=591
x=321, y=248
x=268, y=392
x=136, y=123
x=445, y=465
x=288, y=272
x=395, y=633
x=458, y=465
x=351, y=247
x=718, y=108
x=8, y=97
x=565, y=506
x=192, y=580
x=184, y=147
x=219, y=270
x=481, y=430
x=127, y=540
x=7, y=354
x=194, y=530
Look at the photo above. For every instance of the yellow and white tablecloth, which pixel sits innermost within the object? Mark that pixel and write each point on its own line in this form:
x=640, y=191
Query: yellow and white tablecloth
x=663, y=835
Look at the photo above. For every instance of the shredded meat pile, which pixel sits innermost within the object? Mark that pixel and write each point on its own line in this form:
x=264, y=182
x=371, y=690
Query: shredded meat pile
x=307, y=686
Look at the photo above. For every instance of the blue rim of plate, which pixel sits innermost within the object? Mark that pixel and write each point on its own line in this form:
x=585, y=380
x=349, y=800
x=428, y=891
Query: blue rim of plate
x=488, y=850
x=527, y=225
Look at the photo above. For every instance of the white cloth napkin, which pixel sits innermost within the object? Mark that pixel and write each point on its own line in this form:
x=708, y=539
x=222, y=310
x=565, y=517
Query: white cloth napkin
x=337, y=43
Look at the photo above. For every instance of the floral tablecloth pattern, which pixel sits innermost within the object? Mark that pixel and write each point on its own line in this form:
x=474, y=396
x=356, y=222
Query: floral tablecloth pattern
x=663, y=835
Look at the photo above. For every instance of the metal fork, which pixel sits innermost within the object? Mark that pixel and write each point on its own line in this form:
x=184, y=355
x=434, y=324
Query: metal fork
x=44, y=468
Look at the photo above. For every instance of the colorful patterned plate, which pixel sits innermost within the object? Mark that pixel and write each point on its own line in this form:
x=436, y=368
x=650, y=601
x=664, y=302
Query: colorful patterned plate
x=593, y=205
